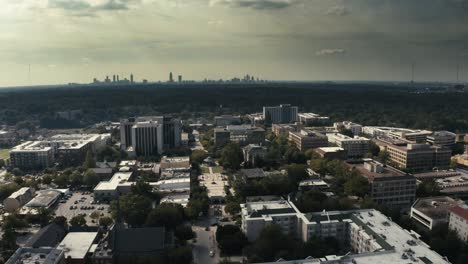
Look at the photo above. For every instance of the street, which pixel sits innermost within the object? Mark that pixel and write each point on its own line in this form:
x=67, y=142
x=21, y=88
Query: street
x=206, y=241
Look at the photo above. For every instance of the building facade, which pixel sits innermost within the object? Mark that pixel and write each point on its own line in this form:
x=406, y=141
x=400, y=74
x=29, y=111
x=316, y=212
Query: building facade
x=282, y=114
x=458, y=221
x=308, y=139
x=355, y=147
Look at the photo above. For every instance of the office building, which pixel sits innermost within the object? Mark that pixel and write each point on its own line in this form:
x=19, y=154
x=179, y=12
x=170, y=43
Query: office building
x=46, y=255
x=308, y=139
x=415, y=157
x=32, y=155
x=71, y=150
x=226, y=120
x=433, y=211
x=331, y=153
x=309, y=119
x=175, y=163
x=171, y=131
x=242, y=134
x=17, y=199
x=413, y=135
x=171, y=78
x=353, y=127
x=109, y=190
x=458, y=221
x=147, y=138
x=282, y=114
x=355, y=147
x=180, y=78
x=283, y=129
x=388, y=186
x=442, y=138
x=370, y=235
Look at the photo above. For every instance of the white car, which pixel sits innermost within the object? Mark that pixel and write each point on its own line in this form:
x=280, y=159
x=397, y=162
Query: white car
x=211, y=253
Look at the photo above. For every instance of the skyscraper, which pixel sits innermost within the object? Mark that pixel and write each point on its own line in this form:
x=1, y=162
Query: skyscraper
x=282, y=114
x=113, y=78
x=171, y=79
x=147, y=138
x=131, y=78
x=180, y=78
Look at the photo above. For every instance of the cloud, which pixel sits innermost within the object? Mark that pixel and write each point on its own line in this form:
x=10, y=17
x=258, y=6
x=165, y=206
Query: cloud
x=256, y=4
x=337, y=11
x=88, y=7
x=326, y=52
x=215, y=22
x=74, y=5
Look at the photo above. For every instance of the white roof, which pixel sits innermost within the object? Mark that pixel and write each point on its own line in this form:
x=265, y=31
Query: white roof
x=118, y=178
x=77, y=244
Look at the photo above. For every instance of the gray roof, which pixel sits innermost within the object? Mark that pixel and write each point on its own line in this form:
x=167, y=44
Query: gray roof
x=142, y=240
x=48, y=236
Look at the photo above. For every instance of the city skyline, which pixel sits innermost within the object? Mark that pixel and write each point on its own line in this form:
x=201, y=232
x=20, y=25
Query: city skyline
x=58, y=42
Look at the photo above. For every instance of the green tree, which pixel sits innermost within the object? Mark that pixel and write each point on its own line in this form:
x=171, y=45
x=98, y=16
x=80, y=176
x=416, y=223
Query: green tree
x=231, y=156
x=198, y=156
x=384, y=156
x=77, y=221
x=90, y=178
x=105, y=221
x=297, y=172
x=89, y=161
x=230, y=239
x=428, y=188
x=17, y=172
x=356, y=185
x=166, y=214
x=134, y=208
x=180, y=255
x=232, y=208
x=184, y=232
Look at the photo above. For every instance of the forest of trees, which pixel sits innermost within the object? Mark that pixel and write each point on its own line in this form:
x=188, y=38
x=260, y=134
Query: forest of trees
x=363, y=103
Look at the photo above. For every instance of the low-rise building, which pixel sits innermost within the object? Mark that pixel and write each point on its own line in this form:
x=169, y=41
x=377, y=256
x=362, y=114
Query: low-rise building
x=331, y=153
x=113, y=188
x=76, y=246
x=433, y=211
x=415, y=157
x=43, y=199
x=24, y=255
x=355, y=147
x=242, y=134
x=283, y=129
x=313, y=184
x=18, y=199
x=388, y=186
x=226, y=120
x=458, y=221
x=355, y=128
x=175, y=162
x=252, y=174
x=312, y=119
x=252, y=153
x=308, y=139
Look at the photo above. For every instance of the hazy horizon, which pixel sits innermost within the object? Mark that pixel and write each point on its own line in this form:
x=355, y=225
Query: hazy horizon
x=305, y=40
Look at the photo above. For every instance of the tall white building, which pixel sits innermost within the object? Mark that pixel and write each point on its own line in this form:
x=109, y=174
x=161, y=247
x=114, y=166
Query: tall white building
x=147, y=138
x=282, y=114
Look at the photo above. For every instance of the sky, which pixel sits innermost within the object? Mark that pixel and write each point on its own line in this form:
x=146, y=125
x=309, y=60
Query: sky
x=77, y=40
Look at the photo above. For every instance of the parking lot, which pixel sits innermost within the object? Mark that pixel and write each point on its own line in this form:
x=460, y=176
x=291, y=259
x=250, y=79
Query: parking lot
x=81, y=203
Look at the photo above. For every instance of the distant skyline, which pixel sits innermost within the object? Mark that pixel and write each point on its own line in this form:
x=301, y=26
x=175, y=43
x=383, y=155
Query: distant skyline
x=78, y=40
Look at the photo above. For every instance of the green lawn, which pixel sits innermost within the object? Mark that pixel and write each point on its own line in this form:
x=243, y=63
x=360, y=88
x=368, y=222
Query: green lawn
x=217, y=169
x=4, y=153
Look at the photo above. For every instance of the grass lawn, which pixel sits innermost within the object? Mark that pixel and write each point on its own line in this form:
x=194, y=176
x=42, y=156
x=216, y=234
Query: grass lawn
x=4, y=153
x=205, y=170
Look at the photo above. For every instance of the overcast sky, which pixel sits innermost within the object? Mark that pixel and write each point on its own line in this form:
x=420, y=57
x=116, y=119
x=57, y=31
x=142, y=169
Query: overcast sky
x=77, y=40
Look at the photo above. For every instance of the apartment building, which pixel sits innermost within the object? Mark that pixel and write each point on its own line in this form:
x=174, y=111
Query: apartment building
x=308, y=139
x=433, y=211
x=355, y=147
x=312, y=118
x=32, y=155
x=283, y=129
x=355, y=128
x=388, y=186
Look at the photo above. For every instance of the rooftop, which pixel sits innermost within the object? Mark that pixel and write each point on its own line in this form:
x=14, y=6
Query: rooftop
x=36, y=256
x=330, y=149
x=44, y=198
x=461, y=210
x=374, y=170
x=436, y=207
x=118, y=178
x=77, y=244
x=264, y=208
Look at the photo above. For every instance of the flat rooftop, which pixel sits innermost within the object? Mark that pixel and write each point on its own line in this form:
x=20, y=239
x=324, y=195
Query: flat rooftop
x=77, y=244
x=118, y=178
x=263, y=208
x=36, y=256
x=330, y=149
x=387, y=172
x=436, y=207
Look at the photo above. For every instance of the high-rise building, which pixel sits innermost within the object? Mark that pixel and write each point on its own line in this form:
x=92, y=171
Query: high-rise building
x=171, y=78
x=172, y=129
x=126, y=132
x=180, y=78
x=282, y=114
x=131, y=78
x=147, y=138
x=113, y=78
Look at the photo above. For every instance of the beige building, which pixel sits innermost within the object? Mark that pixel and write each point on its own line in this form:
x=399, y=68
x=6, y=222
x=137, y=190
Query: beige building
x=283, y=129
x=388, y=186
x=308, y=139
x=458, y=221
x=18, y=199
x=355, y=147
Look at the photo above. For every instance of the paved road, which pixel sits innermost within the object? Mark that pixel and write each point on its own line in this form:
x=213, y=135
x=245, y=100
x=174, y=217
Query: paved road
x=206, y=241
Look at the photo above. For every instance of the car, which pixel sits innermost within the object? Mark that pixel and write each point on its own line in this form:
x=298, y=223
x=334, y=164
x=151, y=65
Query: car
x=71, y=207
x=211, y=253
x=76, y=202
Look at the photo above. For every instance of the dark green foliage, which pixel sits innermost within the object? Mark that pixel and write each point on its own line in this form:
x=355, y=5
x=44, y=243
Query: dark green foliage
x=167, y=215
x=231, y=156
x=230, y=239
x=78, y=220
x=428, y=188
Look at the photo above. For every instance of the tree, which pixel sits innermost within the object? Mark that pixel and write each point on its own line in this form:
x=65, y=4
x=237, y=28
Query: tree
x=179, y=255
x=133, y=208
x=61, y=180
x=373, y=149
x=90, y=178
x=230, y=239
x=184, y=232
x=270, y=245
x=347, y=132
x=231, y=156
x=384, y=156
x=428, y=188
x=232, y=208
x=47, y=179
x=105, y=221
x=166, y=214
x=95, y=215
x=17, y=172
x=89, y=161
x=297, y=172
x=356, y=185
x=198, y=156
x=78, y=221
